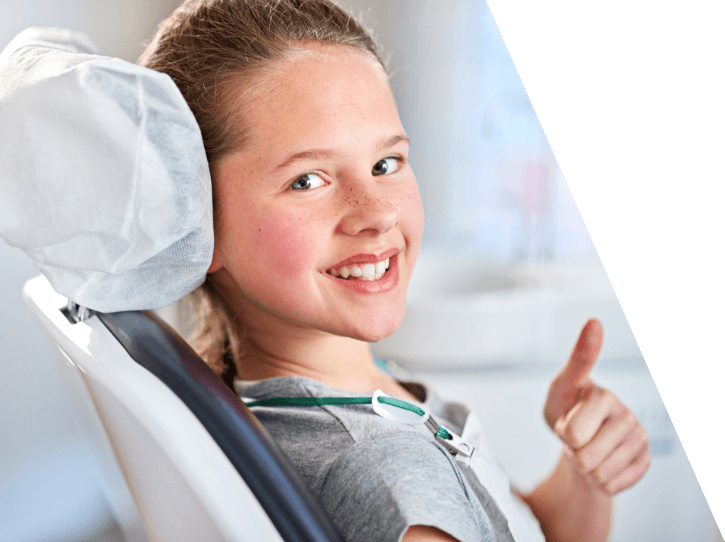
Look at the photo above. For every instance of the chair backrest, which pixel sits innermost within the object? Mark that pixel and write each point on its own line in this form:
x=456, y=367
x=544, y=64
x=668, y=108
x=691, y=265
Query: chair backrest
x=198, y=464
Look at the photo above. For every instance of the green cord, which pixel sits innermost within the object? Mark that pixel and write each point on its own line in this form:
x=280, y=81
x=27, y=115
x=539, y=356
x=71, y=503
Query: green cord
x=322, y=401
x=442, y=433
x=311, y=401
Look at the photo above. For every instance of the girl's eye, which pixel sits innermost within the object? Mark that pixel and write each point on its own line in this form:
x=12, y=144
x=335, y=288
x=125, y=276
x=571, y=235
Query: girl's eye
x=386, y=166
x=308, y=181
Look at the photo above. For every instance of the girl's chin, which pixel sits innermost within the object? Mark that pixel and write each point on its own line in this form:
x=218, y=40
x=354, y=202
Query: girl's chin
x=373, y=334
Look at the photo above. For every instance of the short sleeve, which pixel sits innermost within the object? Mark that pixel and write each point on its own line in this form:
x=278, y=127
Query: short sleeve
x=379, y=487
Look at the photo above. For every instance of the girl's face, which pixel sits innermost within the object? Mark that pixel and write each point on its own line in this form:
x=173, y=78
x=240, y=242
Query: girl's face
x=321, y=188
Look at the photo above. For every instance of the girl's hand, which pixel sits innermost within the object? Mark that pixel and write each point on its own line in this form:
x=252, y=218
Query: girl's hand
x=603, y=441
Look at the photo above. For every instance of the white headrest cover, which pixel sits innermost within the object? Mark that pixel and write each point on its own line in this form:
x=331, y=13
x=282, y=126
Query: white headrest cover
x=104, y=181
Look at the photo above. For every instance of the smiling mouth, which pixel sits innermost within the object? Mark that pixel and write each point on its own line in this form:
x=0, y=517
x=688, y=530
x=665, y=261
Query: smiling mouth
x=367, y=271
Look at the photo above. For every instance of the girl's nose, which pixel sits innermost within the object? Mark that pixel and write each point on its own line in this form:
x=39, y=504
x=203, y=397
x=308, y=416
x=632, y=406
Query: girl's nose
x=368, y=212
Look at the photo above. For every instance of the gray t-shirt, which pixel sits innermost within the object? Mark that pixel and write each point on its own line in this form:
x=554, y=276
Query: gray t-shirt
x=377, y=477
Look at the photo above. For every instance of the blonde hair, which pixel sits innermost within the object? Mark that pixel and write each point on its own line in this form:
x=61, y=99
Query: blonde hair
x=201, y=46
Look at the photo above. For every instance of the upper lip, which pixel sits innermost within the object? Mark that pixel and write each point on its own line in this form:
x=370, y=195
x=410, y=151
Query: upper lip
x=363, y=258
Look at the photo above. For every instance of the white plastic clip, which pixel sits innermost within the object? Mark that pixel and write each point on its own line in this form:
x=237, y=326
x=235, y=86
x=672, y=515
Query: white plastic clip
x=398, y=414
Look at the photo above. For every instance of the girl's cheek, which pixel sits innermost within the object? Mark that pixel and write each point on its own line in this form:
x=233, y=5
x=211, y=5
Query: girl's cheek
x=414, y=213
x=286, y=243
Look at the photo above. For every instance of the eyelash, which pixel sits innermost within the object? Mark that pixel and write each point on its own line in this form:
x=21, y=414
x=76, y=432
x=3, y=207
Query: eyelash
x=399, y=159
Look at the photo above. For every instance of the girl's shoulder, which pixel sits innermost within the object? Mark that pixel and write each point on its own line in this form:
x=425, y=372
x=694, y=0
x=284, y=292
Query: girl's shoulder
x=315, y=436
x=351, y=457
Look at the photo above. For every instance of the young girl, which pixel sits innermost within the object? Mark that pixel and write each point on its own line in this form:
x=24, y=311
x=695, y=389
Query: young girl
x=318, y=223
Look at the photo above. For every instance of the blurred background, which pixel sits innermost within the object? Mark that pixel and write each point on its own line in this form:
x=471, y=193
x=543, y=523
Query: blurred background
x=506, y=278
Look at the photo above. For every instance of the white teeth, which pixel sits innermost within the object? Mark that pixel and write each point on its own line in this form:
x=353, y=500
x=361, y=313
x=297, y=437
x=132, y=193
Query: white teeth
x=367, y=271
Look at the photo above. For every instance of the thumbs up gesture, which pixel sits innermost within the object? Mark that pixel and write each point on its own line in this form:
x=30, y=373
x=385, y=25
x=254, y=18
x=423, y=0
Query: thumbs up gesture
x=603, y=441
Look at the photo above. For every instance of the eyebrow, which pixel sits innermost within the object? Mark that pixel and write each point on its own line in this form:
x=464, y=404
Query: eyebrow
x=326, y=154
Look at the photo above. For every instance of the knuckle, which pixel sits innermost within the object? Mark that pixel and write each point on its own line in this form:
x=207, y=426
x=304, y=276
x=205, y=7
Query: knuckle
x=584, y=464
x=562, y=428
x=573, y=437
x=600, y=393
x=614, y=403
x=583, y=461
x=600, y=477
x=630, y=419
x=642, y=435
x=603, y=393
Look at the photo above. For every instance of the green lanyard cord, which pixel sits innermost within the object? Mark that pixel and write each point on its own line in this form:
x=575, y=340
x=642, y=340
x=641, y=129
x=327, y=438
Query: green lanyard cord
x=322, y=401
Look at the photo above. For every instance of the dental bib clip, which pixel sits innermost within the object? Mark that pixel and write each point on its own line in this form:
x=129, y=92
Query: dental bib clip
x=404, y=412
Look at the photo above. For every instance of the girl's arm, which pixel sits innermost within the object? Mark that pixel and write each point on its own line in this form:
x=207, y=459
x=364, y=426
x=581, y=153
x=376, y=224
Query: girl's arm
x=605, y=450
x=567, y=508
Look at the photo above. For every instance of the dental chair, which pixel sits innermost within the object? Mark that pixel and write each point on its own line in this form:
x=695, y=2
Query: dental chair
x=198, y=464
x=105, y=186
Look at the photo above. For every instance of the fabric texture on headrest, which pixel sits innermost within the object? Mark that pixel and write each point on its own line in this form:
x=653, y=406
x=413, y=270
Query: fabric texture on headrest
x=104, y=181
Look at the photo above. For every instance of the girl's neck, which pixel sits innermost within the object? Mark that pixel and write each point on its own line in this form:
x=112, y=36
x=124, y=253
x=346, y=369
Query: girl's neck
x=342, y=363
x=339, y=362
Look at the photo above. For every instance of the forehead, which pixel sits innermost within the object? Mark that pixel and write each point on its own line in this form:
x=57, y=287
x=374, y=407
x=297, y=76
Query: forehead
x=316, y=89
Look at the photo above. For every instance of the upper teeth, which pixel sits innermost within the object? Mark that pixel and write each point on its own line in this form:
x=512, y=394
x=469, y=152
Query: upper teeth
x=366, y=271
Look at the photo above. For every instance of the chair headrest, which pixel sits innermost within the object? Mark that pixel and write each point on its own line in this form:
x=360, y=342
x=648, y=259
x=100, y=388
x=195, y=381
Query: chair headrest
x=103, y=174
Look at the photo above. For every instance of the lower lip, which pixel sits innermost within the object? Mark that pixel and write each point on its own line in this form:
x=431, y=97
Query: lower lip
x=388, y=282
